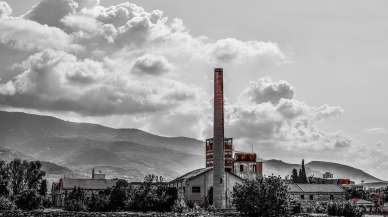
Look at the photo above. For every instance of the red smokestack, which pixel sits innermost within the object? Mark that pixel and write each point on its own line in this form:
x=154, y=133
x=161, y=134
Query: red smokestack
x=218, y=131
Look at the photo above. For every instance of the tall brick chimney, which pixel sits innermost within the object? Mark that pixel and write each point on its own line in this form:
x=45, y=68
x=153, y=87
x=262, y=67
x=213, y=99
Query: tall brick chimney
x=218, y=131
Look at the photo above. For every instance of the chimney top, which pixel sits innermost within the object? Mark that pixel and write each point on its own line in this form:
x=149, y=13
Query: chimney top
x=218, y=69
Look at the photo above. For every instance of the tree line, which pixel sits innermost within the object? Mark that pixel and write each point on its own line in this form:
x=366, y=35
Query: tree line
x=150, y=195
x=22, y=185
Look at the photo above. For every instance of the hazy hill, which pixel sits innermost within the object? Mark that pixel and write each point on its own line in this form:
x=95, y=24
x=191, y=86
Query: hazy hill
x=127, y=153
x=130, y=153
x=317, y=168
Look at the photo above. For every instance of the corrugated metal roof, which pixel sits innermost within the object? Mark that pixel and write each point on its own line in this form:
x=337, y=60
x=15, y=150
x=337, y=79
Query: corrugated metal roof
x=89, y=184
x=315, y=188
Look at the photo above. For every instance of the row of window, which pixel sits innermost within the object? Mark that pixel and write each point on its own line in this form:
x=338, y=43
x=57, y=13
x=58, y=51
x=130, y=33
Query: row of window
x=311, y=197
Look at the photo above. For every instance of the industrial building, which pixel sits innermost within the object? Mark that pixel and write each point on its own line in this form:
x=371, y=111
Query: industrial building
x=225, y=167
x=89, y=186
x=306, y=194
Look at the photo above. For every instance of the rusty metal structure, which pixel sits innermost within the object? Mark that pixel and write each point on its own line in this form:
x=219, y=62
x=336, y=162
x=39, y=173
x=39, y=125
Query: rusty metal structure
x=228, y=153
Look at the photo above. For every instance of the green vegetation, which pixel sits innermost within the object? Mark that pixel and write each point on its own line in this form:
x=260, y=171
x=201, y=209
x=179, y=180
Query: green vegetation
x=264, y=197
x=150, y=195
x=21, y=184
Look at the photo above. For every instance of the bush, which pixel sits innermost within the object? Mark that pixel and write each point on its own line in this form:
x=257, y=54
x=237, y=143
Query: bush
x=6, y=204
x=74, y=205
x=75, y=200
x=28, y=200
x=99, y=203
x=263, y=197
x=344, y=209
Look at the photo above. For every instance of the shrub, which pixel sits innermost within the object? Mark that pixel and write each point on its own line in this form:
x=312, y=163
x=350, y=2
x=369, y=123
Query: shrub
x=263, y=197
x=344, y=209
x=28, y=200
x=6, y=204
x=74, y=205
x=75, y=200
x=99, y=203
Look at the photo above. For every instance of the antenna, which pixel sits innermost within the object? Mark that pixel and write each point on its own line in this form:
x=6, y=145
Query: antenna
x=252, y=147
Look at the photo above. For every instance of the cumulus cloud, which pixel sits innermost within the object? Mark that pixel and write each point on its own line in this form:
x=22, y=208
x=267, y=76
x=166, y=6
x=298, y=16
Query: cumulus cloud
x=87, y=58
x=267, y=112
x=230, y=49
x=28, y=35
x=5, y=9
x=151, y=65
x=47, y=81
x=266, y=90
x=50, y=12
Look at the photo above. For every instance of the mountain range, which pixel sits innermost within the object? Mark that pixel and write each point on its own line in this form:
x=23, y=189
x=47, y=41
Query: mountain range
x=73, y=149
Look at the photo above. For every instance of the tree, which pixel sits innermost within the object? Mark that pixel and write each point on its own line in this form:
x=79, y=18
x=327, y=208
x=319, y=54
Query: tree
x=302, y=174
x=294, y=176
x=4, y=179
x=75, y=200
x=43, y=188
x=34, y=174
x=17, y=171
x=263, y=197
x=119, y=196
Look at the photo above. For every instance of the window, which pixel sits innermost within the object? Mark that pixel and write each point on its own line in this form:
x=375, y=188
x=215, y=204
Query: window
x=195, y=189
x=311, y=197
x=331, y=197
x=241, y=168
x=302, y=197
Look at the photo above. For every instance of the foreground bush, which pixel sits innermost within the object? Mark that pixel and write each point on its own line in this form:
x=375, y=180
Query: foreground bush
x=265, y=197
x=6, y=204
x=28, y=200
x=343, y=209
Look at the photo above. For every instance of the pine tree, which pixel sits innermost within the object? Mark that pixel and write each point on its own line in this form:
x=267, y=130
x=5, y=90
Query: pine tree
x=303, y=176
x=294, y=175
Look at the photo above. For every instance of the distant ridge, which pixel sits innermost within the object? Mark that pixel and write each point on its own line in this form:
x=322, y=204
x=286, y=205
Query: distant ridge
x=69, y=147
x=317, y=168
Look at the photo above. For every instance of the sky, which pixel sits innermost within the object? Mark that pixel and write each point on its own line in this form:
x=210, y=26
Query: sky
x=303, y=79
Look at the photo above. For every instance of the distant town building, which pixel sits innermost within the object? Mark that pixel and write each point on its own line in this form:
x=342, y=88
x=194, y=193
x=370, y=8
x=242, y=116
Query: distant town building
x=306, y=194
x=97, y=183
x=327, y=175
x=196, y=186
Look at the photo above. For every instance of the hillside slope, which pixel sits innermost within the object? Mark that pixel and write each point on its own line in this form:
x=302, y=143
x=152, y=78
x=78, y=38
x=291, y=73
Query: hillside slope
x=317, y=168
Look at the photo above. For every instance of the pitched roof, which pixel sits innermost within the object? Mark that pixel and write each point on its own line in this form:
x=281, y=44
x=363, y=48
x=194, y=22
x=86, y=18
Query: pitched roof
x=315, y=188
x=193, y=174
x=197, y=172
x=88, y=184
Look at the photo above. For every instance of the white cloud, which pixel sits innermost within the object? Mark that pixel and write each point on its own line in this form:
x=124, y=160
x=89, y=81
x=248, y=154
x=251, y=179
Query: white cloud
x=58, y=81
x=51, y=12
x=81, y=56
x=28, y=35
x=266, y=90
x=151, y=65
x=5, y=9
x=375, y=131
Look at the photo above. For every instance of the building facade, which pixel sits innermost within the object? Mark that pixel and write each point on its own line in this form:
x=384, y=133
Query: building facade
x=196, y=186
x=247, y=166
x=306, y=194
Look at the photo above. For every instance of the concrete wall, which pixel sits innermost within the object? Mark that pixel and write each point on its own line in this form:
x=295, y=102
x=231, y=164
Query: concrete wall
x=205, y=182
x=317, y=197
